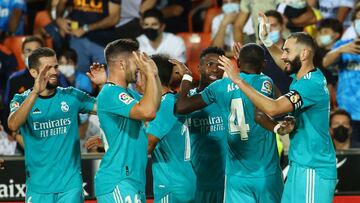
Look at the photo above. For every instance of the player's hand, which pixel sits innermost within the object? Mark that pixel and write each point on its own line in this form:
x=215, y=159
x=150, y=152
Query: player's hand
x=230, y=69
x=93, y=142
x=287, y=126
x=236, y=49
x=351, y=48
x=145, y=63
x=181, y=68
x=140, y=82
x=41, y=80
x=97, y=74
x=264, y=33
x=2, y=164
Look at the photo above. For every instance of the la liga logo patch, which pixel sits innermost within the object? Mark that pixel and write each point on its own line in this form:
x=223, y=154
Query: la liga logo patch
x=125, y=98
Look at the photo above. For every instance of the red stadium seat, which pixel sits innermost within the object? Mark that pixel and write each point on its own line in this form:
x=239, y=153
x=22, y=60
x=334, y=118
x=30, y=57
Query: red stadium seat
x=195, y=43
x=14, y=44
x=210, y=14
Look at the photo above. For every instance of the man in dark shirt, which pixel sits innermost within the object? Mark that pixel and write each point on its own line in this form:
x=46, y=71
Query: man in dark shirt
x=90, y=25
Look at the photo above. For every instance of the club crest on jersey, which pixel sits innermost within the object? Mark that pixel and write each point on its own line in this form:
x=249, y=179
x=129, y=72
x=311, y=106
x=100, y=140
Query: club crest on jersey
x=64, y=107
x=15, y=105
x=125, y=98
x=266, y=87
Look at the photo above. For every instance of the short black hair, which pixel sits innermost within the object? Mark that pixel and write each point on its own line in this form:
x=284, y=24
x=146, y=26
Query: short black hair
x=155, y=13
x=165, y=68
x=339, y=112
x=331, y=23
x=275, y=14
x=69, y=54
x=304, y=39
x=211, y=50
x=37, y=54
x=31, y=39
x=252, y=54
x=120, y=46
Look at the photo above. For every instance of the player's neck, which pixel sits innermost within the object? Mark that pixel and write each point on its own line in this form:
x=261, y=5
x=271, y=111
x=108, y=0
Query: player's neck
x=156, y=43
x=116, y=81
x=165, y=90
x=305, y=69
x=47, y=92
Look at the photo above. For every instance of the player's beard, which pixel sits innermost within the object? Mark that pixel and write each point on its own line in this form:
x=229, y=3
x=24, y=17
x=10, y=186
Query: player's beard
x=295, y=65
x=52, y=86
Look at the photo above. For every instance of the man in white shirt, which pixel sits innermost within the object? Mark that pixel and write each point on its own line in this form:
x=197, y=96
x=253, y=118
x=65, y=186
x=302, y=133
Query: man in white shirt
x=339, y=9
x=156, y=41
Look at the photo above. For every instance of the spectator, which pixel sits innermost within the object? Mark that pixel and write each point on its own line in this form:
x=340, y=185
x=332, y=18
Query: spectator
x=341, y=129
x=222, y=32
x=91, y=26
x=281, y=80
x=156, y=41
x=338, y=9
x=8, y=65
x=12, y=17
x=175, y=14
x=345, y=54
x=7, y=143
x=68, y=67
x=129, y=25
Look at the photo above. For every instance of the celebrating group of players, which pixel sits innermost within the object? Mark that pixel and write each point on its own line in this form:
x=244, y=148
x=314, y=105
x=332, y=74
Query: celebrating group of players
x=211, y=143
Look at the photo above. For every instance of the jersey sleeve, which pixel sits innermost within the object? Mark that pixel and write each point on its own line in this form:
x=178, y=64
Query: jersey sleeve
x=16, y=102
x=164, y=120
x=209, y=93
x=116, y=101
x=86, y=102
x=303, y=94
x=265, y=86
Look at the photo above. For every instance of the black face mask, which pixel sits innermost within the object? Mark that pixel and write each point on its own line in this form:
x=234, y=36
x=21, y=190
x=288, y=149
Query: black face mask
x=151, y=33
x=341, y=133
x=295, y=65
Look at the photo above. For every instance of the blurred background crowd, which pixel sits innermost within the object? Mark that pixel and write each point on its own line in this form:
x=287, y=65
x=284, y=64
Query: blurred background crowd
x=78, y=31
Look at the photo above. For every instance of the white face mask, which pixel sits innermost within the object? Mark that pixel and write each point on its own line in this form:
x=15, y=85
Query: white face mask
x=26, y=62
x=357, y=26
x=67, y=70
x=231, y=7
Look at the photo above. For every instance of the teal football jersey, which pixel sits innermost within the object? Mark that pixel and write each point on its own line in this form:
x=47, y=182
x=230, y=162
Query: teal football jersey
x=172, y=170
x=51, y=138
x=126, y=148
x=208, y=146
x=252, y=149
x=310, y=142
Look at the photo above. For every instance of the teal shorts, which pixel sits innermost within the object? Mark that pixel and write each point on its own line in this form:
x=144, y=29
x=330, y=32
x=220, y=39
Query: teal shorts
x=213, y=196
x=254, y=190
x=75, y=195
x=175, y=198
x=123, y=192
x=305, y=185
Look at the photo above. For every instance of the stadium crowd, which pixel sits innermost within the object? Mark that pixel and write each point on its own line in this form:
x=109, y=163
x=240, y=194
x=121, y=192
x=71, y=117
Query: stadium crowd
x=161, y=77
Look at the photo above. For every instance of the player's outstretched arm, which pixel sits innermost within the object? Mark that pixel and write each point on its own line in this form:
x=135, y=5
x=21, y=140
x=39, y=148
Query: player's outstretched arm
x=148, y=105
x=20, y=112
x=271, y=107
x=275, y=51
x=268, y=123
x=186, y=104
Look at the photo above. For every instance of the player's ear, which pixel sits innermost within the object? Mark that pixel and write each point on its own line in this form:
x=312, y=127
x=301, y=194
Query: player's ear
x=33, y=72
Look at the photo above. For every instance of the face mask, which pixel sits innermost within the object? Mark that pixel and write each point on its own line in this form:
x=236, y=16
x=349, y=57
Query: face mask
x=299, y=4
x=274, y=36
x=357, y=27
x=67, y=70
x=27, y=62
x=341, y=133
x=231, y=7
x=325, y=40
x=151, y=33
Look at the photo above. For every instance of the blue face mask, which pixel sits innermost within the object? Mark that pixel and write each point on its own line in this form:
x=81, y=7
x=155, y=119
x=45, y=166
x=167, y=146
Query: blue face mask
x=27, y=62
x=357, y=27
x=325, y=40
x=274, y=36
x=231, y=7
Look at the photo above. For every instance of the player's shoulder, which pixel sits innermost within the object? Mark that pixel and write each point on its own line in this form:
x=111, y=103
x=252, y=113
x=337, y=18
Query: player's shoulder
x=24, y=94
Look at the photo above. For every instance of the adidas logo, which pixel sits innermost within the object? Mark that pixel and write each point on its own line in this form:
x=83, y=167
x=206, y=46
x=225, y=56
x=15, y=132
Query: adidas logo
x=37, y=111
